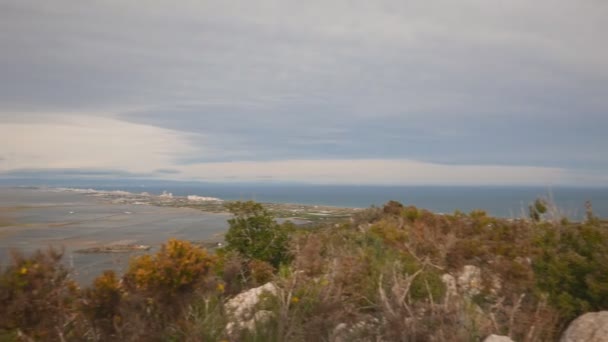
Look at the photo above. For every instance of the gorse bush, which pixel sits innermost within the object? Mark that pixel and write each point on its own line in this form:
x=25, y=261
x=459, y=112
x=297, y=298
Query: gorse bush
x=177, y=267
x=37, y=296
x=101, y=305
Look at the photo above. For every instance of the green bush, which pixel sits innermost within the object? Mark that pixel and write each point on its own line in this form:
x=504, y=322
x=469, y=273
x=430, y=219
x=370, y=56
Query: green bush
x=255, y=234
x=572, y=267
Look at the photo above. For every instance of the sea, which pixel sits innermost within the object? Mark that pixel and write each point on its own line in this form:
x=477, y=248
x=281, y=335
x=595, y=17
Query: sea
x=501, y=201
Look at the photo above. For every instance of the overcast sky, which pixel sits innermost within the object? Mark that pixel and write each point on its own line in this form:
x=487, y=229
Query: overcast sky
x=363, y=92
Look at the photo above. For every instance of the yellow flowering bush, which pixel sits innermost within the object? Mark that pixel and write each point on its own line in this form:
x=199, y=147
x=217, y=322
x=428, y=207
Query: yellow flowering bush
x=177, y=267
x=101, y=303
x=36, y=295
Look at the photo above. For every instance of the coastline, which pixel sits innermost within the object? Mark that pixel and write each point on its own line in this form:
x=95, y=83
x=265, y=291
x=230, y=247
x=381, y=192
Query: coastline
x=102, y=221
x=301, y=213
x=34, y=219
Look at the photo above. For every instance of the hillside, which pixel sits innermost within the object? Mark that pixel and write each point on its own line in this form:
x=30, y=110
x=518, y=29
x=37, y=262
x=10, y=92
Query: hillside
x=396, y=273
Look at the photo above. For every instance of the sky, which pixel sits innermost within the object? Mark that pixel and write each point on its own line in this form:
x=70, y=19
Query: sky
x=409, y=92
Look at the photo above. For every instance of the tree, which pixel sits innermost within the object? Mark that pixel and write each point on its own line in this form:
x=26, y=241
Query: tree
x=255, y=234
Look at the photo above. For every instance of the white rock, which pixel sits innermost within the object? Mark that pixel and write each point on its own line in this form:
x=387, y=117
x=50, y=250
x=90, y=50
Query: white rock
x=590, y=327
x=497, y=338
x=469, y=280
x=242, y=307
x=450, y=285
x=261, y=317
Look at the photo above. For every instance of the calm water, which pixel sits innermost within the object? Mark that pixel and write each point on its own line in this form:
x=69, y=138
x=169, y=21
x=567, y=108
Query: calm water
x=499, y=201
x=33, y=219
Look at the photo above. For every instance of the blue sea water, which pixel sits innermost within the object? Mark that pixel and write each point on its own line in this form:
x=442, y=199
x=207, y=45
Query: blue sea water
x=511, y=202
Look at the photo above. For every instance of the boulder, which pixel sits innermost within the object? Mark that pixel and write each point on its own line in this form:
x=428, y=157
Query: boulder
x=497, y=338
x=590, y=327
x=469, y=280
x=242, y=308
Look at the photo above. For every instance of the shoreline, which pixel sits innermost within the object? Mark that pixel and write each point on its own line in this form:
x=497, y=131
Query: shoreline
x=305, y=213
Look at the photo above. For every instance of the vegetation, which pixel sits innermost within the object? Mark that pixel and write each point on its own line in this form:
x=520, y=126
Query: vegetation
x=396, y=273
x=256, y=235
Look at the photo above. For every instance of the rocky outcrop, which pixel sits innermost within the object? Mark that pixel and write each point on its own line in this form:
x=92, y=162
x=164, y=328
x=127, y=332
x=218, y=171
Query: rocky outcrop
x=590, y=327
x=242, y=309
x=466, y=282
x=497, y=338
x=469, y=280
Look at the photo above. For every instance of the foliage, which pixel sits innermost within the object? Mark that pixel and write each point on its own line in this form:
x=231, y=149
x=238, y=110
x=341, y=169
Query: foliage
x=261, y=271
x=393, y=208
x=101, y=303
x=177, y=267
x=537, y=209
x=37, y=296
x=384, y=275
x=255, y=234
x=573, y=267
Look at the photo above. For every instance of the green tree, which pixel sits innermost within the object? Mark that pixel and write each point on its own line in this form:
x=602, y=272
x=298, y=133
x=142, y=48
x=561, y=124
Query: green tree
x=255, y=234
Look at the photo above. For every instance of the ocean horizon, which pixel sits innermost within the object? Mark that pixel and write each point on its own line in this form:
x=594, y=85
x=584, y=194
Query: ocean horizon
x=502, y=201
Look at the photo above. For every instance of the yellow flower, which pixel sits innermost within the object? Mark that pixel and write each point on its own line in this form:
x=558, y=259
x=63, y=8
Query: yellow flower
x=23, y=270
x=220, y=288
x=295, y=299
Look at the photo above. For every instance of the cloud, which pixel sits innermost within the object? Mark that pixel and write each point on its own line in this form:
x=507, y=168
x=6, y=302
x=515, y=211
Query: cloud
x=167, y=171
x=381, y=171
x=71, y=173
x=90, y=143
x=460, y=84
x=106, y=147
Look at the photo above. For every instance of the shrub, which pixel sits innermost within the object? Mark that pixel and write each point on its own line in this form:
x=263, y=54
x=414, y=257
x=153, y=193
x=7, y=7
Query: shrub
x=177, y=267
x=255, y=234
x=261, y=272
x=37, y=296
x=411, y=213
x=101, y=304
x=573, y=268
x=393, y=208
x=308, y=251
x=428, y=285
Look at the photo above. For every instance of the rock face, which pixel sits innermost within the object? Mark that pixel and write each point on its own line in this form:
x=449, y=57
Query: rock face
x=242, y=308
x=590, y=327
x=497, y=338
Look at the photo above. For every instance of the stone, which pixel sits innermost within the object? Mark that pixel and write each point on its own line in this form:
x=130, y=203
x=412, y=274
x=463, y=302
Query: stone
x=469, y=280
x=497, y=338
x=242, y=308
x=260, y=317
x=590, y=327
x=451, y=290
